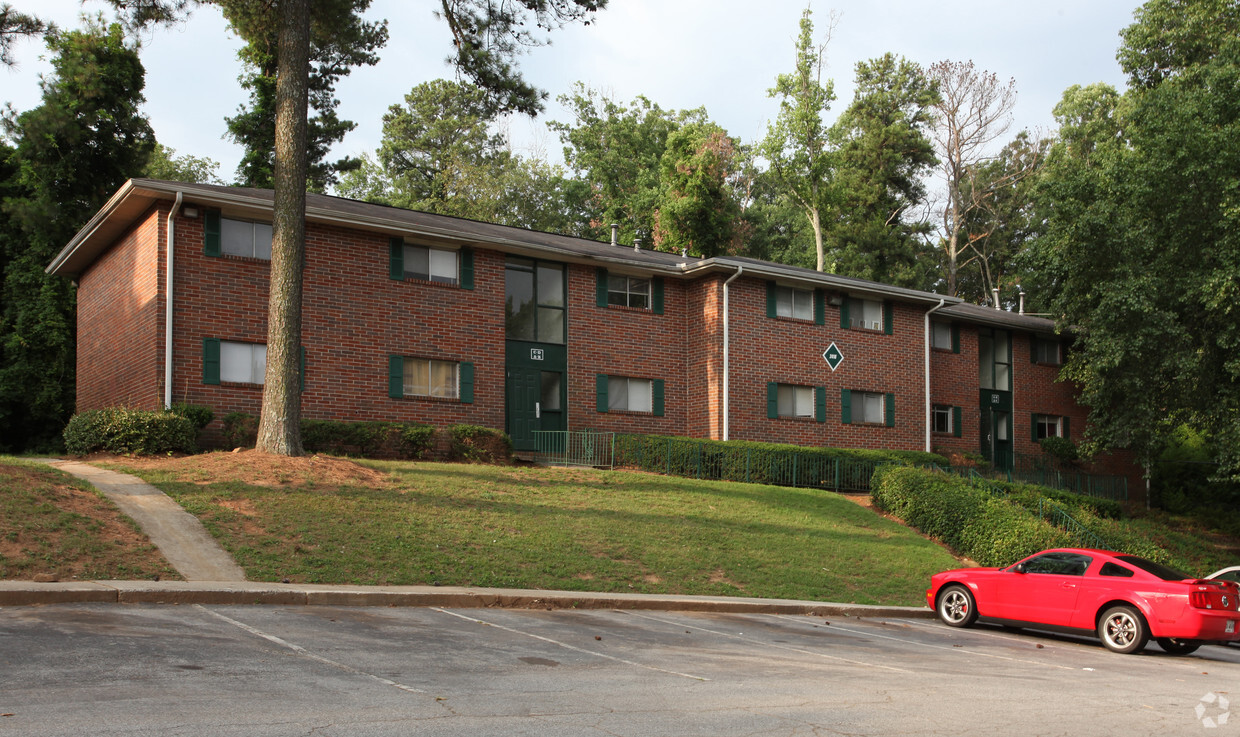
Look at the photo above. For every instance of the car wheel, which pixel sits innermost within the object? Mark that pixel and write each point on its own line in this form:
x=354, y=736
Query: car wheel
x=1177, y=647
x=1122, y=629
x=956, y=606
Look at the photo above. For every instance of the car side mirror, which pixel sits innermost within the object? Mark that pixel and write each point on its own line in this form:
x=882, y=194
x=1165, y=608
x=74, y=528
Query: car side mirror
x=1018, y=568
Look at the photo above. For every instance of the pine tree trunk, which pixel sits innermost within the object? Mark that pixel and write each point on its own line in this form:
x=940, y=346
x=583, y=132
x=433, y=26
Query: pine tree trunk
x=279, y=429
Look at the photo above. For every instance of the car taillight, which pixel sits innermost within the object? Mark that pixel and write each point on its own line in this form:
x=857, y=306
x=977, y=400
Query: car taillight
x=1222, y=595
x=1199, y=599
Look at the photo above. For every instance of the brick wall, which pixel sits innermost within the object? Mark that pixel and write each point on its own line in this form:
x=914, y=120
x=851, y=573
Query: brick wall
x=120, y=322
x=953, y=382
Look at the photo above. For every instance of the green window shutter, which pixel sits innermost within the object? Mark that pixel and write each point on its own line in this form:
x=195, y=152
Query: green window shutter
x=820, y=310
x=396, y=260
x=846, y=406
x=772, y=400
x=957, y=422
x=955, y=337
x=657, y=397
x=600, y=392
x=888, y=318
x=467, y=268
x=770, y=299
x=1066, y=432
x=890, y=411
x=820, y=403
x=600, y=287
x=1033, y=432
x=396, y=377
x=467, y=382
x=656, y=295
x=302, y=386
x=211, y=233
x=844, y=321
x=210, y=360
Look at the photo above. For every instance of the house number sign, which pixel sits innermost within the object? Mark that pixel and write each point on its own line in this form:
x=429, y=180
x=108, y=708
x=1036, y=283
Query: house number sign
x=536, y=354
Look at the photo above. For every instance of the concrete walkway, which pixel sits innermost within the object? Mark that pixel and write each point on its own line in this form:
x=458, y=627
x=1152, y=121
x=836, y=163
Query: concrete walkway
x=177, y=533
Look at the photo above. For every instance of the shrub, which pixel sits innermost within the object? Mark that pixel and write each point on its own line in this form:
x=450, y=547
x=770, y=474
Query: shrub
x=478, y=444
x=1027, y=495
x=1062, y=449
x=405, y=440
x=240, y=430
x=133, y=431
x=196, y=413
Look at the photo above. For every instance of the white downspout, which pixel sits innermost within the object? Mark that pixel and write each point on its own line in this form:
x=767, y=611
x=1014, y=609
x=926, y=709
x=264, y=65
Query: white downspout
x=171, y=229
x=929, y=413
x=729, y=280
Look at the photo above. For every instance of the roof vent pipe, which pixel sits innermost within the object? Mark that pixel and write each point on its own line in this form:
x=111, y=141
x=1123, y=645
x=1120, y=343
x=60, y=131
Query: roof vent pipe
x=995, y=292
x=1022, y=301
x=637, y=244
x=615, y=227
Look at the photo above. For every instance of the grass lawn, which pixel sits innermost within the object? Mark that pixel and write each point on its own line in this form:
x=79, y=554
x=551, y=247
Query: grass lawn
x=54, y=527
x=572, y=529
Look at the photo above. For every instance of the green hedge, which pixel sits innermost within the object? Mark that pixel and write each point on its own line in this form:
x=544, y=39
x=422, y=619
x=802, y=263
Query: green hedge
x=762, y=463
x=1027, y=495
x=406, y=440
x=196, y=413
x=970, y=520
x=477, y=444
x=121, y=430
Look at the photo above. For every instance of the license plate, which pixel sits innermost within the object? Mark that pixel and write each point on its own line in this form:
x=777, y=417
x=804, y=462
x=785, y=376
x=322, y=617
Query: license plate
x=1231, y=626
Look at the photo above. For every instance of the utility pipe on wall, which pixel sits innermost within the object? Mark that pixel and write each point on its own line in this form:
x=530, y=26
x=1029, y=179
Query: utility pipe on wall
x=929, y=407
x=729, y=280
x=171, y=231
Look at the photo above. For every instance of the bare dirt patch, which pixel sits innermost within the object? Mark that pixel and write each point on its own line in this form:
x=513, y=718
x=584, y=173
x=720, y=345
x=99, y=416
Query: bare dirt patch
x=258, y=469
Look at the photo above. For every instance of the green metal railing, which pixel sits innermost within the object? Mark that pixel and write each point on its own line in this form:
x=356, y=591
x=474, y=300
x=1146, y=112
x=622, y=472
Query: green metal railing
x=575, y=448
x=1048, y=510
x=1039, y=470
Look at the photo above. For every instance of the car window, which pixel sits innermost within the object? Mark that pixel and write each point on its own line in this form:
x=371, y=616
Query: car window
x=1112, y=569
x=1229, y=576
x=1158, y=569
x=1062, y=564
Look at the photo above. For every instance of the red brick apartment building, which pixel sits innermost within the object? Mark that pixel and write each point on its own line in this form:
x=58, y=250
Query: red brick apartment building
x=413, y=316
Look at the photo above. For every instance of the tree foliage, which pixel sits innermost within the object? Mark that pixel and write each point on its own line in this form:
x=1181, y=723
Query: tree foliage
x=69, y=155
x=1142, y=249
x=698, y=211
x=165, y=164
x=15, y=25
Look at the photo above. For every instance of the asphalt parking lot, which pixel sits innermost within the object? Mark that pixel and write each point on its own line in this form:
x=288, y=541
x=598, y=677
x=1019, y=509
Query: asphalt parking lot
x=265, y=670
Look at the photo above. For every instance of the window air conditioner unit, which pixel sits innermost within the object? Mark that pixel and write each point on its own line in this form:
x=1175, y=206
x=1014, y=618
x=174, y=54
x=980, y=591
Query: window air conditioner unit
x=876, y=325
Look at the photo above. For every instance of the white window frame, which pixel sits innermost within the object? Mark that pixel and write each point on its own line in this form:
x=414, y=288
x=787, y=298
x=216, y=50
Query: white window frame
x=865, y=314
x=443, y=265
x=245, y=238
x=942, y=411
x=941, y=335
x=428, y=377
x=794, y=303
x=1046, y=423
x=794, y=400
x=863, y=405
x=629, y=291
x=242, y=363
x=629, y=394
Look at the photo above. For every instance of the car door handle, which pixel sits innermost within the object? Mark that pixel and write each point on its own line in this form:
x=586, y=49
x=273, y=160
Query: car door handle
x=1067, y=585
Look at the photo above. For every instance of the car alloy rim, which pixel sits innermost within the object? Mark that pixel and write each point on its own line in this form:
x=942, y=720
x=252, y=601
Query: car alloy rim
x=1121, y=630
x=956, y=606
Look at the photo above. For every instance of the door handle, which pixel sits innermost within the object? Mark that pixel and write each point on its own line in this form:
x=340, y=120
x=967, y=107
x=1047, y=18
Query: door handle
x=538, y=410
x=1067, y=585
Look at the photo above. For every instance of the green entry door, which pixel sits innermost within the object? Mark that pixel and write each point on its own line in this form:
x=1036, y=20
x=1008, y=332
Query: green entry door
x=535, y=391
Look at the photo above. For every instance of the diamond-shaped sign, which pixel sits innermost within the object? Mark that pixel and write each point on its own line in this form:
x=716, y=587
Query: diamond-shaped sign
x=833, y=356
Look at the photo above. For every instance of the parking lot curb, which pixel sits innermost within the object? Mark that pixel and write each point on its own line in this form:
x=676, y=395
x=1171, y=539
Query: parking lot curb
x=26, y=593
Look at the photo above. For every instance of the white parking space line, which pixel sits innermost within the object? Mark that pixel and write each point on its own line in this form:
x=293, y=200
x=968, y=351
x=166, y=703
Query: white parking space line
x=307, y=654
x=566, y=646
x=952, y=648
x=774, y=646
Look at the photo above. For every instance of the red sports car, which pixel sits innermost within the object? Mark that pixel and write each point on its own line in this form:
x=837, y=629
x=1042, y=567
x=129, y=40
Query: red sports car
x=1123, y=599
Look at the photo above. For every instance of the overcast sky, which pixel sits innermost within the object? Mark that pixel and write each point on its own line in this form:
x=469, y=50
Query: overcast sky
x=721, y=54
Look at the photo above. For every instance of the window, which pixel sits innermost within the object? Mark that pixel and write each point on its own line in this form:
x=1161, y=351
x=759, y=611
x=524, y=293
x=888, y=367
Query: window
x=628, y=291
x=244, y=238
x=1047, y=426
x=868, y=407
x=426, y=377
x=943, y=337
x=534, y=302
x=794, y=303
x=942, y=419
x=430, y=378
x=1061, y=564
x=628, y=394
x=1115, y=571
x=1046, y=350
x=432, y=264
x=795, y=401
x=863, y=314
x=994, y=359
x=242, y=363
